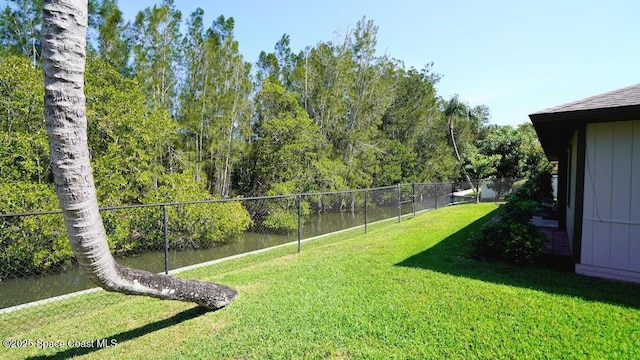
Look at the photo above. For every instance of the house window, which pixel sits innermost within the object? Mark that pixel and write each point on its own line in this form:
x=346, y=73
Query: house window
x=569, y=177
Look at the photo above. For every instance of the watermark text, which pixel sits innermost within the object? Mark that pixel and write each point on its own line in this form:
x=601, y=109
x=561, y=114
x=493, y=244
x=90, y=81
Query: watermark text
x=69, y=343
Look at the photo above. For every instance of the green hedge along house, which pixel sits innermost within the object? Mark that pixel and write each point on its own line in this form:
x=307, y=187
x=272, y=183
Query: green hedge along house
x=596, y=142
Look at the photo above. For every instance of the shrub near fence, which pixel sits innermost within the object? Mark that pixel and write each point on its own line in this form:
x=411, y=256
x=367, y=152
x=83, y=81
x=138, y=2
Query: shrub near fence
x=35, y=243
x=30, y=244
x=181, y=234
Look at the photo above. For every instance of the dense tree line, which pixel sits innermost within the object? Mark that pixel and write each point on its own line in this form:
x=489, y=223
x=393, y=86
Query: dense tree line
x=181, y=115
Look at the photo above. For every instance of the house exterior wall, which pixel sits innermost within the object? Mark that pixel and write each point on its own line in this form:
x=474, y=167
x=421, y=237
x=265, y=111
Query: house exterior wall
x=611, y=208
x=572, y=161
x=488, y=194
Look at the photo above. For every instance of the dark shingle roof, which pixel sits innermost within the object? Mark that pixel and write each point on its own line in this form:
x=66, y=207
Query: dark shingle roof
x=628, y=96
x=556, y=125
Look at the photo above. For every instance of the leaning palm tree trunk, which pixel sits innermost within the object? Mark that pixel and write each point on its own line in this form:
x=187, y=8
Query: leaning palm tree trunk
x=64, y=30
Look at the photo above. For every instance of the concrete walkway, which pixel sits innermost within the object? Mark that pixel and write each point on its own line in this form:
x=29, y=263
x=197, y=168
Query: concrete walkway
x=558, y=243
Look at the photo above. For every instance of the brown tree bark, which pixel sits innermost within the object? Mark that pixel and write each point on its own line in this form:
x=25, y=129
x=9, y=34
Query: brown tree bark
x=64, y=29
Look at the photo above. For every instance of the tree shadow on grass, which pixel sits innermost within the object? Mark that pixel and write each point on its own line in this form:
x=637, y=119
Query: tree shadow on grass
x=452, y=256
x=98, y=344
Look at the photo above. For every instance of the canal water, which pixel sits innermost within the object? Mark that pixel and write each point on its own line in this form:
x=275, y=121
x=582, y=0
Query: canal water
x=16, y=291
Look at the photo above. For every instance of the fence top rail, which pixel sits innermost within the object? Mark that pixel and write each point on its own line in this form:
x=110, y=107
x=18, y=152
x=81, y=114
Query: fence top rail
x=209, y=201
x=33, y=213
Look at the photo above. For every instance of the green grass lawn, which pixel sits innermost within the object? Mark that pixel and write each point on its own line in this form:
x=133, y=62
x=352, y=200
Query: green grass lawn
x=401, y=291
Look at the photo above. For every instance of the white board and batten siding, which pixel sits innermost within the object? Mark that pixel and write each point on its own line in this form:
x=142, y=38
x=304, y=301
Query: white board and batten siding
x=611, y=214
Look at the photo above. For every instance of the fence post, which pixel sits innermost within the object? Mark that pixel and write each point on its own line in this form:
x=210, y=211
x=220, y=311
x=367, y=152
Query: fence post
x=436, y=194
x=299, y=222
x=413, y=198
x=453, y=188
x=366, y=198
x=399, y=202
x=166, y=239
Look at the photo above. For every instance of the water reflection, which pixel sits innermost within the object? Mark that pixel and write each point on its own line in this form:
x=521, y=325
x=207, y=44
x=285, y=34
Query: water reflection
x=17, y=291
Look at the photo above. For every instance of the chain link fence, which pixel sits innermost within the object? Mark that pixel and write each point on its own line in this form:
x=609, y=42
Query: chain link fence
x=37, y=266
x=496, y=190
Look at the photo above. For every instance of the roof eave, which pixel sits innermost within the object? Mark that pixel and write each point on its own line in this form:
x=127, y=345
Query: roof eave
x=556, y=128
x=607, y=114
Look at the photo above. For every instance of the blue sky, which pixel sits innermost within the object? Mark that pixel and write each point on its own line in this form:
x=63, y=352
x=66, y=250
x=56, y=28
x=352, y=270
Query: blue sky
x=515, y=57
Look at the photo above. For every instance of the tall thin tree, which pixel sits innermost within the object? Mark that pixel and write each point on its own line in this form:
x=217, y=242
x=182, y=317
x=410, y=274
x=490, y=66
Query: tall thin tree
x=455, y=108
x=64, y=54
